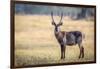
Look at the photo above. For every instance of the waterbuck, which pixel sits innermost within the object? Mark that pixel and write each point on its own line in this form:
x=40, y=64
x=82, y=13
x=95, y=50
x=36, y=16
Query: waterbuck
x=67, y=38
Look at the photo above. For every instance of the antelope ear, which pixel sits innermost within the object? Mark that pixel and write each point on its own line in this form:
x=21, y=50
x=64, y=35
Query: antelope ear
x=53, y=23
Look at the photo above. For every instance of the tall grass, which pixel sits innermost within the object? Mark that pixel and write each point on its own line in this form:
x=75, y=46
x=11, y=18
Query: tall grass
x=36, y=44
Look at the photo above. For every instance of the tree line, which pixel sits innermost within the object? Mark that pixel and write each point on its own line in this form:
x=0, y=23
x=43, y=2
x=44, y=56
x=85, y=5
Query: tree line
x=73, y=12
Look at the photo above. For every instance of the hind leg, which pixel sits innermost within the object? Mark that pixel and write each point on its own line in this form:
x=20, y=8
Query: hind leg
x=79, y=42
x=81, y=55
x=82, y=52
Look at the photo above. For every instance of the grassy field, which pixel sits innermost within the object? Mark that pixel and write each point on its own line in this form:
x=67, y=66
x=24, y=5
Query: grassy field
x=35, y=43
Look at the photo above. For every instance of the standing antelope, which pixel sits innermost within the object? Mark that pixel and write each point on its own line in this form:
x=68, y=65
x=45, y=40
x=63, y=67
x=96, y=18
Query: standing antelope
x=67, y=38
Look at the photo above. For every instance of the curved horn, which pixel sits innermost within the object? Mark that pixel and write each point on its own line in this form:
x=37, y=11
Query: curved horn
x=53, y=22
x=60, y=22
x=61, y=17
x=52, y=16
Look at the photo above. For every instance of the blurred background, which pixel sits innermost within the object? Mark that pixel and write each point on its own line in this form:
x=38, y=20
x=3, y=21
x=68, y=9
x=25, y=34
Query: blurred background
x=73, y=12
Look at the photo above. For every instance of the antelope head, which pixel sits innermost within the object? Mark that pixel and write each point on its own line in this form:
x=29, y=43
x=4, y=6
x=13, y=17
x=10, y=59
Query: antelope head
x=57, y=25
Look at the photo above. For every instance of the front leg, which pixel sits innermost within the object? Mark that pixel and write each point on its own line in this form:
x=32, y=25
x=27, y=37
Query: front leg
x=61, y=52
x=64, y=48
x=64, y=44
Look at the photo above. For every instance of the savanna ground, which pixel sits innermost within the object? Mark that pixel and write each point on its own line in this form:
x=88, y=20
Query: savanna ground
x=35, y=43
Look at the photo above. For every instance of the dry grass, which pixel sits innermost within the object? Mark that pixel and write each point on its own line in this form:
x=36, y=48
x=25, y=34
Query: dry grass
x=35, y=42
